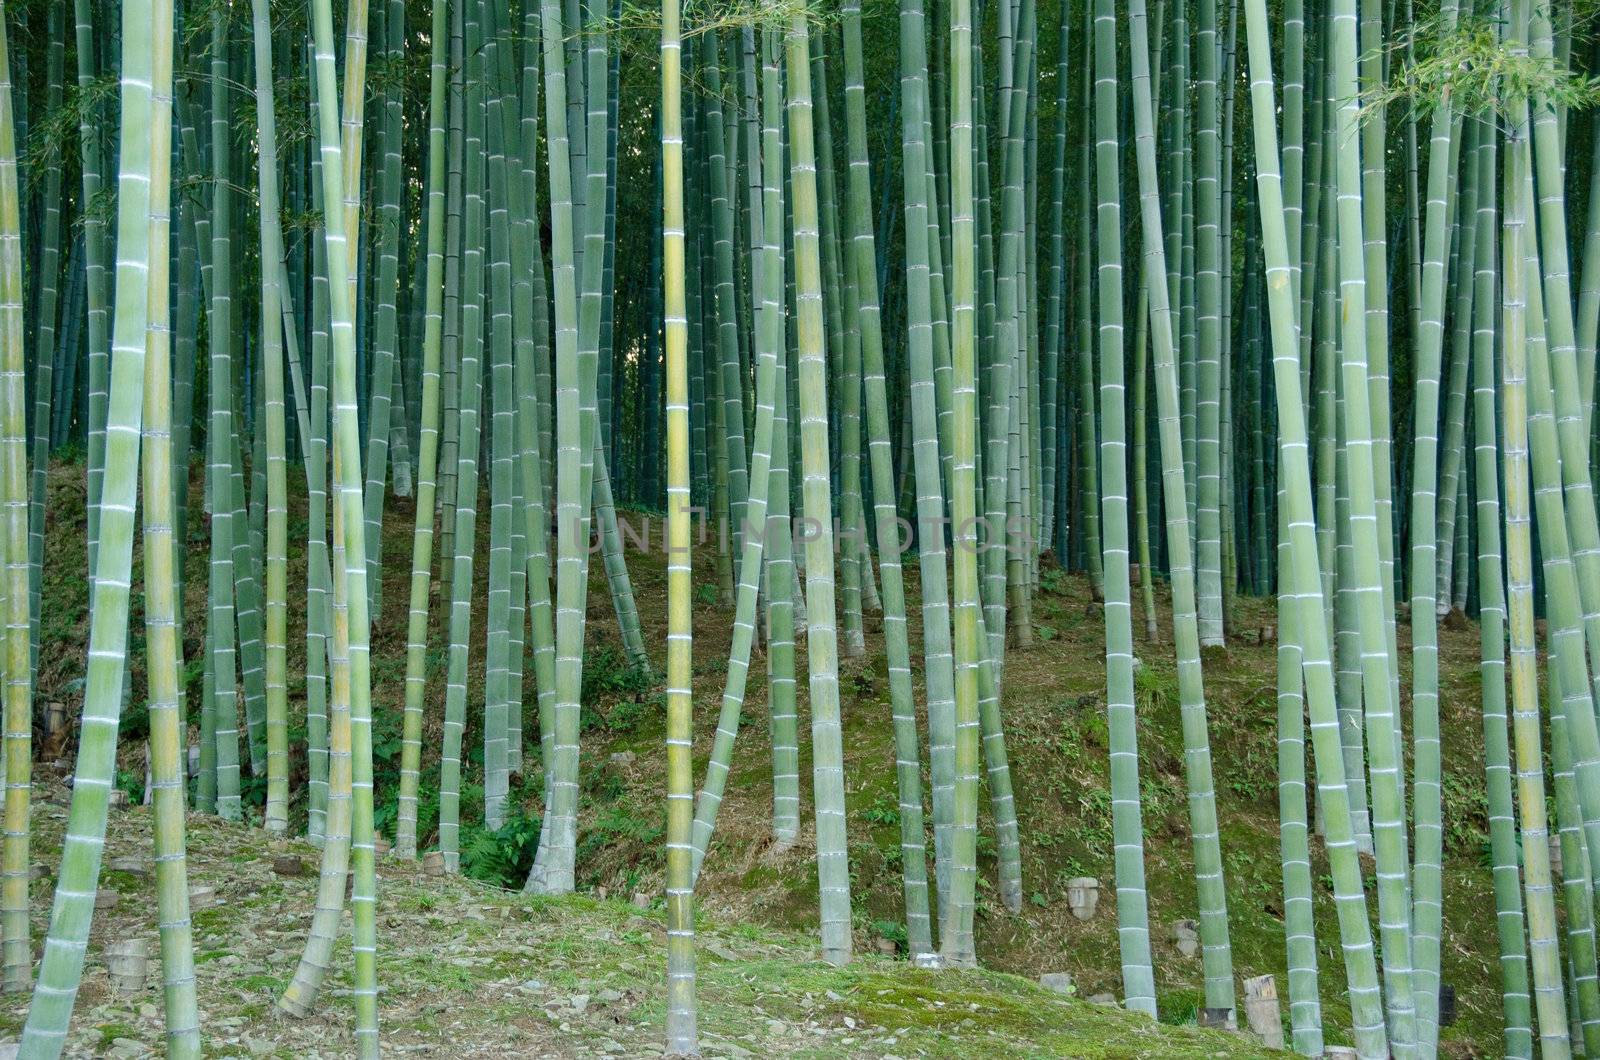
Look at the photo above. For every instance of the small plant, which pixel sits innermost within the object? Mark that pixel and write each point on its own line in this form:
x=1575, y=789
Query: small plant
x=883, y=811
x=503, y=856
x=607, y=673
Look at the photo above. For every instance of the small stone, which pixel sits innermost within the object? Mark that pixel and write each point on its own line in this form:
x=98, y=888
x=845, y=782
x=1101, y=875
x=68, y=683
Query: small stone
x=579, y=1002
x=1060, y=982
x=610, y=996
x=37, y=871
x=1187, y=935
x=1105, y=997
x=203, y=897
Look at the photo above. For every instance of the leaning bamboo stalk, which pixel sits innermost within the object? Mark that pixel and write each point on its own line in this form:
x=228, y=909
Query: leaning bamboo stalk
x=144, y=37
x=1361, y=974
x=1186, y=630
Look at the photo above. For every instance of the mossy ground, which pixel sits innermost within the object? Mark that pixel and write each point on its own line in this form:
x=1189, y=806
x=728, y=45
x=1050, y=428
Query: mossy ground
x=473, y=970
x=1056, y=735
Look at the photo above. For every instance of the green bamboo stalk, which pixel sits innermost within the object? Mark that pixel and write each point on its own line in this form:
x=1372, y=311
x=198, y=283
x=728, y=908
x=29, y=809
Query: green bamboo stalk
x=682, y=1038
x=15, y=635
x=277, y=539
x=163, y=555
x=469, y=402
x=781, y=577
x=46, y=331
x=1516, y=1007
x=833, y=870
x=351, y=624
x=553, y=869
x=864, y=262
x=1210, y=378
x=1212, y=894
x=956, y=905
x=428, y=449
x=1544, y=952
x=1311, y=630
x=385, y=320
x=1133, y=913
x=219, y=441
x=146, y=51
x=1362, y=374
x=1444, y=146
x=96, y=255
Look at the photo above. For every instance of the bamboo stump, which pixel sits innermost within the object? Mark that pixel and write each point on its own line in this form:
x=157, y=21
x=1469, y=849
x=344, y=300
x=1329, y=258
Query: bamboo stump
x=1261, y=1010
x=128, y=964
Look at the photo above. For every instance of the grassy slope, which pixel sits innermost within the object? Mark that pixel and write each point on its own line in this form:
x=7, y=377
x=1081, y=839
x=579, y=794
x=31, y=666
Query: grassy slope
x=472, y=970
x=1056, y=734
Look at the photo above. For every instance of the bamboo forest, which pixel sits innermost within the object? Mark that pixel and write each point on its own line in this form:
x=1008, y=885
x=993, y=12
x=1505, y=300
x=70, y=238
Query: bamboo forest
x=825, y=528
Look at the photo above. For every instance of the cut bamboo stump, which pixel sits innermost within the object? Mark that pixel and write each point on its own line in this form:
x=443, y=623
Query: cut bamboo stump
x=1261, y=1010
x=289, y=865
x=433, y=863
x=202, y=898
x=133, y=866
x=119, y=799
x=1083, y=896
x=106, y=900
x=1340, y=1052
x=128, y=964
